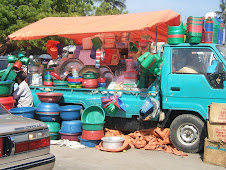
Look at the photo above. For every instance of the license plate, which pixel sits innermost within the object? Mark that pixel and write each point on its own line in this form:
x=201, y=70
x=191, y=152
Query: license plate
x=1, y=146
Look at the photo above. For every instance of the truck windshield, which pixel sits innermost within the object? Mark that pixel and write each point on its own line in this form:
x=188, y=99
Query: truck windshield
x=222, y=50
x=2, y=111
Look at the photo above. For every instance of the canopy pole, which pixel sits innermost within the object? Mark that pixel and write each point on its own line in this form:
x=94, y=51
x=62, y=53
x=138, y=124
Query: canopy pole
x=156, y=39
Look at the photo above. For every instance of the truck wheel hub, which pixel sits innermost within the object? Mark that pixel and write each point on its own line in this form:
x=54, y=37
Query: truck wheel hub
x=188, y=134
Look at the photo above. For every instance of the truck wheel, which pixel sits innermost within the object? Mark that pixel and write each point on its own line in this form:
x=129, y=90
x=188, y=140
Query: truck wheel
x=187, y=133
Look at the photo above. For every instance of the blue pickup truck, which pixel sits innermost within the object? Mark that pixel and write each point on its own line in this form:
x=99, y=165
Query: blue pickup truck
x=192, y=76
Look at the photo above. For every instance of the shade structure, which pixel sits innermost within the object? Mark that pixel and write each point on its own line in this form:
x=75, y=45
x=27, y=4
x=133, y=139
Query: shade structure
x=77, y=28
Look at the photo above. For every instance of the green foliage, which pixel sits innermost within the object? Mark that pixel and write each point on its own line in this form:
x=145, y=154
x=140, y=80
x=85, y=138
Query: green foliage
x=107, y=9
x=222, y=12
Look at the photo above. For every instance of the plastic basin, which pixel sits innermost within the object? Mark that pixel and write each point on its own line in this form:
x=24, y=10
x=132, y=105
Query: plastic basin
x=54, y=127
x=70, y=112
x=6, y=88
x=9, y=73
x=92, y=135
x=92, y=126
x=49, y=97
x=89, y=143
x=28, y=112
x=73, y=126
x=49, y=118
x=48, y=108
x=54, y=136
x=112, y=142
x=93, y=114
x=7, y=102
x=69, y=136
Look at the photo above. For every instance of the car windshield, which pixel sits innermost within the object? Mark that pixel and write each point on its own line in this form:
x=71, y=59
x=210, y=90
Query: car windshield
x=222, y=50
x=2, y=111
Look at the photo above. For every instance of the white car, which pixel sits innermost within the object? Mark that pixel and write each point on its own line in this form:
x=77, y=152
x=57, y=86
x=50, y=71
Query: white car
x=24, y=143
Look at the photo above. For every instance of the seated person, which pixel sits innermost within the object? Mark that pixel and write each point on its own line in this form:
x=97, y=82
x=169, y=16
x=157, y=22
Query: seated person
x=22, y=94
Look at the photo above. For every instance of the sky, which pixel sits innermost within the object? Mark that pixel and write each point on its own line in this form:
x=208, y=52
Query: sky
x=185, y=8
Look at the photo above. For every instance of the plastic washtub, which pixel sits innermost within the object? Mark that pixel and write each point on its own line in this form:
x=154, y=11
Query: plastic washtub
x=48, y=118
x=92, y=126
x=9, y=73
x=7, y=102
x=6, y=88
x=54, y=136
x=92, y=135
x=70, y=136
x=49, y=97
x=54, y=127
x=73, y=126
x=28, y=112
x=70, y=112
x=89, y=143
x=93, y=114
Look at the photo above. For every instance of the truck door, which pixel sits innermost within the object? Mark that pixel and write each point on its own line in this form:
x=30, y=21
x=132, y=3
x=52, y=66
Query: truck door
x=194, y=82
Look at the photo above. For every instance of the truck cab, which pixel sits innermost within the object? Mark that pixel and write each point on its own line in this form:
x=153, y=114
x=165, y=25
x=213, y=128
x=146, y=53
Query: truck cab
x=192, y=77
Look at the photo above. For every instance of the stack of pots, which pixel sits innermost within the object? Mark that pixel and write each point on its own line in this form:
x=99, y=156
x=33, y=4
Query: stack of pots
x=71, y=127
x=90, y=80
x=48, y=81
x=101, y=83
x=48, y=111
x=75, y=82
x=92, y=124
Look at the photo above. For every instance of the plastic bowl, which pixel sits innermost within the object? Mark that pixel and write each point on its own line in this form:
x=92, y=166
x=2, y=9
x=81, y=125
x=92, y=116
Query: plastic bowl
x=54, y=127
x=92, y=135
x=49, y=118
x=48, y=108
x=6, y=88
x=54, y=136
x=93, y=114
x=48, y=83
x=101, y=80
x=92, y=126
x=70, y=112
x=89, y=143
x=73, y=126
x=7, y=102
x=69, y=136
x=54, y=75
x=49, y=97
x=28, y=112
x=112, y=142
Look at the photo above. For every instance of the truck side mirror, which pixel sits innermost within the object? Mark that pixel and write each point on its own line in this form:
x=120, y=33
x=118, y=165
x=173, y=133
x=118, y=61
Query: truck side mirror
x=221, y=68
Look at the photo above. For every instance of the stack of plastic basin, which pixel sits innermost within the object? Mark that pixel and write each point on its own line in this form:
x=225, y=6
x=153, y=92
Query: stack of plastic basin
x=48, y=81
x=207, y=36
x=194, y=29
x=218, y=28
x=176, y=34
x=71, y=127
x=6, y=88
x=92, y=124
x=54, y=128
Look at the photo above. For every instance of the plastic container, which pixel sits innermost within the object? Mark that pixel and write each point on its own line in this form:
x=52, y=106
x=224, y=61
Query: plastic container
x=89, y=143
x=108, y=56
x=54, y=136
x=47, y=83
x=6, y=88
x=130, y=65
x=176, y=34
x=54, y=75
x=49, y=97
x=51, y=43
x=101, y=84
x=9, y=73
x=92, y=135
x=60, y=83
x=90, y=75
x=89, y=83
x=54, y=127
x=28, y=112
x=92, y=126
x=54, y=52
x=93, y=114
x=73, y=126
x=101, y=80
x=69, y=136
x=70, y=112
x=48, y=117
x=17, y=65
x=7, y=102
x=112, y=142
x=48, y=108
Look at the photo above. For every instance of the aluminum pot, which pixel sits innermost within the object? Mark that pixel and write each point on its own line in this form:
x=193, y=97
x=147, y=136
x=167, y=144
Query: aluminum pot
x=112, y=142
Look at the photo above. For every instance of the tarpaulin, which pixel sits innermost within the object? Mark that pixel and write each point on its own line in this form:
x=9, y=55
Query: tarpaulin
x=77, y=28
x=149, y=139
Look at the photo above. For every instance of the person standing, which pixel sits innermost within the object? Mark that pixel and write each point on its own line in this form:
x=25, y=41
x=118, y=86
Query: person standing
x=22, y=94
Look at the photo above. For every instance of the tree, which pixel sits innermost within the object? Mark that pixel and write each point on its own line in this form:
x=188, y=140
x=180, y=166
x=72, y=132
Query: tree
x=16, y=14
x=110, y=7
x=222, y=12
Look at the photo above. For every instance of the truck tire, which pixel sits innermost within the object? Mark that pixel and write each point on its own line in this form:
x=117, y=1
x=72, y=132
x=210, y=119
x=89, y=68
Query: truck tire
x=187, y=133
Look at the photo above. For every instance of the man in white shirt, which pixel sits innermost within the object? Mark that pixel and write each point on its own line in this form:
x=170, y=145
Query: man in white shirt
x=22, y=94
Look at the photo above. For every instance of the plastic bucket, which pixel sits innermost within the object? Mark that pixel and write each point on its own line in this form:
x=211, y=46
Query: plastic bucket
x=17, y=65
x=54, y=52
x=51, y=43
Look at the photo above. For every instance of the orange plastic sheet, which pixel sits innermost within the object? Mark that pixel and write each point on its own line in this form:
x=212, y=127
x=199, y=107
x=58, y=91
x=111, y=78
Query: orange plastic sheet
x=149, y=139
x=77, y=28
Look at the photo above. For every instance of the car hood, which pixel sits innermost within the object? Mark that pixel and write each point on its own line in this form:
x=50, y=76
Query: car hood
x=10, y=124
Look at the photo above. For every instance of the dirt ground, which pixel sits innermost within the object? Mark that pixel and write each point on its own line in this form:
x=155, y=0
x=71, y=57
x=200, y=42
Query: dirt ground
x=91, y=158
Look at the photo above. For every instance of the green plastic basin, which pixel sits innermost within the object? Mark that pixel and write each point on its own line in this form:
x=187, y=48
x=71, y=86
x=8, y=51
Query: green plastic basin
x=54, y=127
x=9, y=73
x=92, y=126
x=93, y=114
x=6, y=88
x=54, y=136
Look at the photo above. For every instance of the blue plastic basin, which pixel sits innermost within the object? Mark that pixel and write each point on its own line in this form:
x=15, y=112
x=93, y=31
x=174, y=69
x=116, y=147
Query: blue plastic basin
x=70, y=112
x=49, y=118
x=48, y=108
x=89, y=143
x=74, y=126
x=28, y=112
